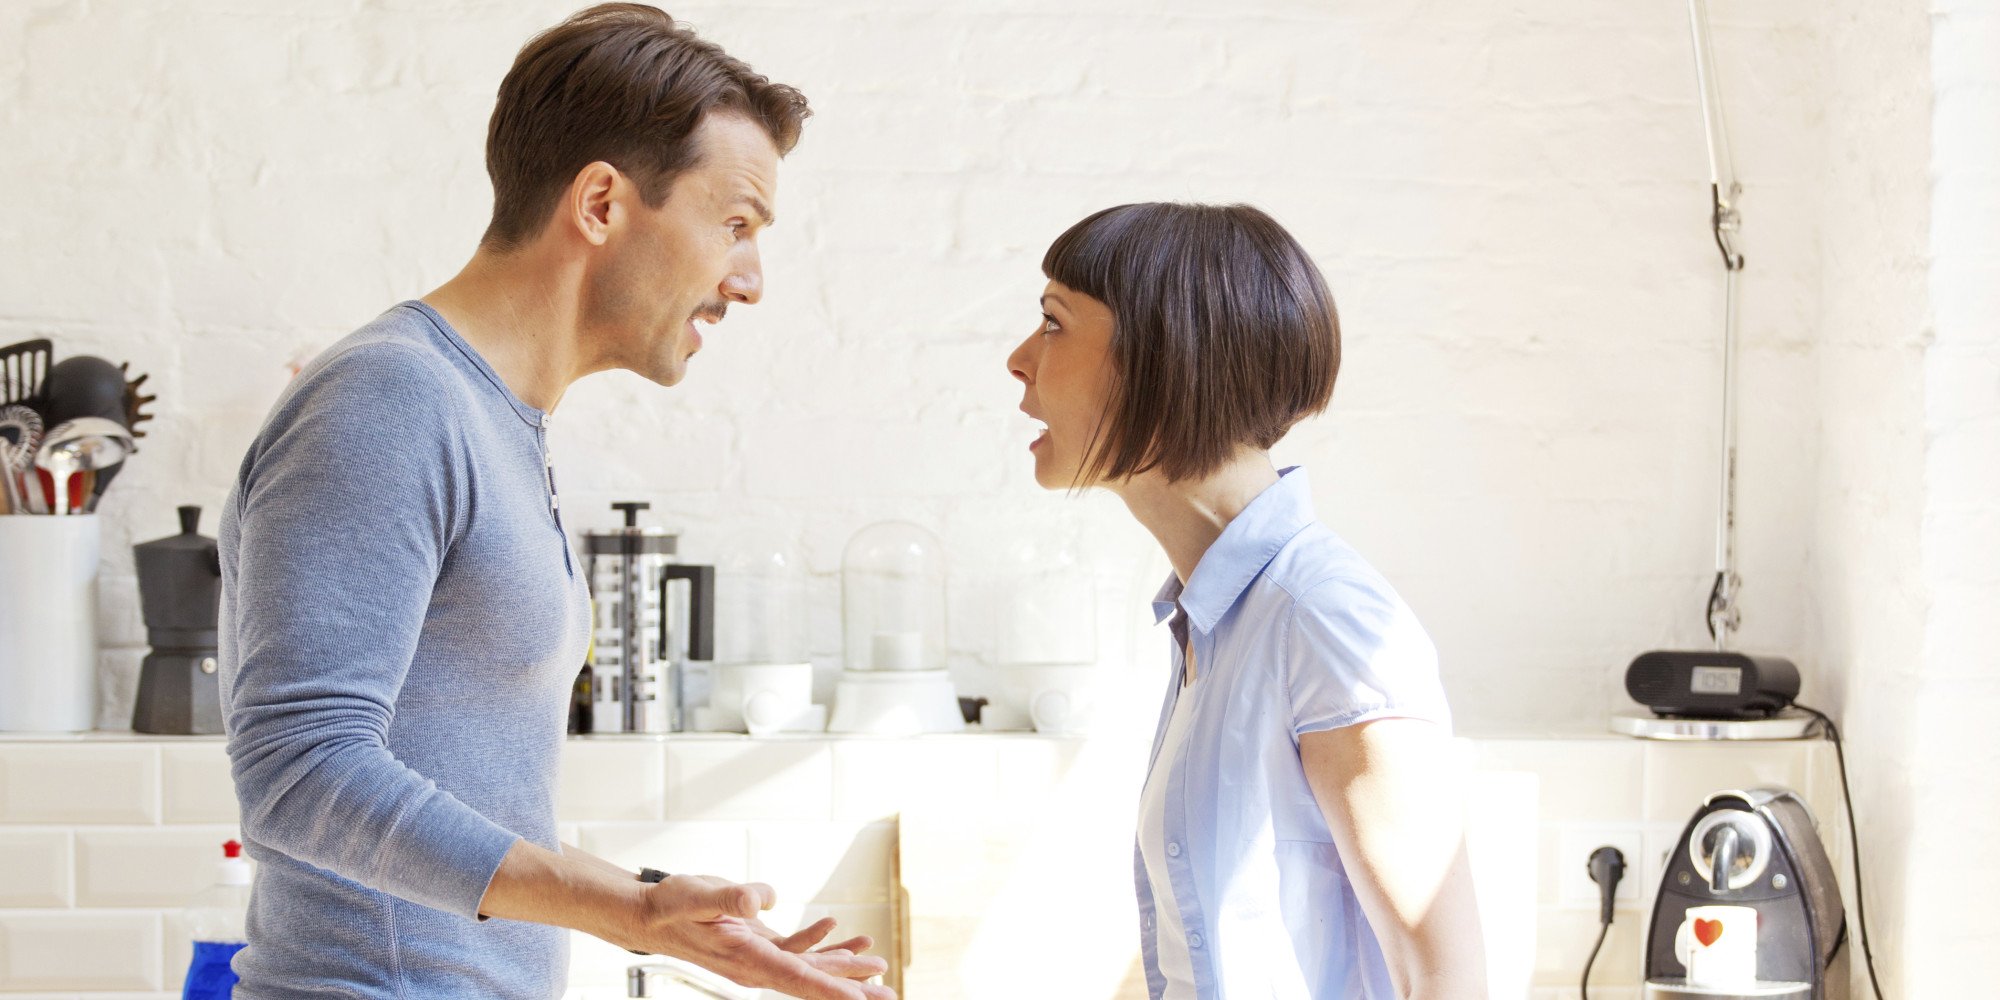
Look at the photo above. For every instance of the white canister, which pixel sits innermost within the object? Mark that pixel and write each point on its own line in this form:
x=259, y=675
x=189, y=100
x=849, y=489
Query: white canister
x=48, y=623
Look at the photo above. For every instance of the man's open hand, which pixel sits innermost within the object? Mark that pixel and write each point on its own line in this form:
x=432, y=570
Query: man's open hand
x=713, y=923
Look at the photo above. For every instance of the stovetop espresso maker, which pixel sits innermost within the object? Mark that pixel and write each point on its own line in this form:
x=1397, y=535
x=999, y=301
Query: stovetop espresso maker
x=638, y=654
x=1748, y=906
x=180, y=594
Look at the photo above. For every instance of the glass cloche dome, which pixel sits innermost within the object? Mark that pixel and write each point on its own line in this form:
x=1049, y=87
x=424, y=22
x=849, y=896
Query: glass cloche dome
x=892, y=579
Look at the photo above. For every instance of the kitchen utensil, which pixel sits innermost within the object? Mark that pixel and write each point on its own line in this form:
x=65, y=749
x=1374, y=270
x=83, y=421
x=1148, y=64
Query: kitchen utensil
x=20, y=434
x=638, y=653
x=135, y=415
x=48, y=614
x=89, y=386
x=83, y=386
x=23, y=366
x=78, y=445
x=180, y=594
x=1756, y=850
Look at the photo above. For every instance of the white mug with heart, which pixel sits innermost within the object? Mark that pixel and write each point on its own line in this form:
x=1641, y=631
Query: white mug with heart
x=1718, y=945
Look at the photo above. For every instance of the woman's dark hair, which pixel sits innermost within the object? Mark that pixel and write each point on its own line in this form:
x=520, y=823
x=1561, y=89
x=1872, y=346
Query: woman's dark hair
x=623, y=83
x=1224, y=333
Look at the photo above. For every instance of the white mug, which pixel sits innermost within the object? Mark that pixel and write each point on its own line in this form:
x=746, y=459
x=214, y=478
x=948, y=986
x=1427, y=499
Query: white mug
x=1718, y=945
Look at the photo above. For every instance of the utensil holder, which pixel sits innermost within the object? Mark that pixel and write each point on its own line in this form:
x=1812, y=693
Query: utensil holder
x=48, y=623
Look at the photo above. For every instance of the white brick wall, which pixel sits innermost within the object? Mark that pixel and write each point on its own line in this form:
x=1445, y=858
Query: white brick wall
x=1507, y=201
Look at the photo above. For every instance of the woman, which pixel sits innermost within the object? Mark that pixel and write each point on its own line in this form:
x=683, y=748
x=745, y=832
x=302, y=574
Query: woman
x=1301, y=831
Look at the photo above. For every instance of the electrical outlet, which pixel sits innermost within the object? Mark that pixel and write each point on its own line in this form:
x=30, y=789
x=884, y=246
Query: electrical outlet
x=1575, y=841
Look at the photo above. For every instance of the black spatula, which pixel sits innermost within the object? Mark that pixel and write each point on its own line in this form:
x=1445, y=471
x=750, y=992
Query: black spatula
x=23, y=369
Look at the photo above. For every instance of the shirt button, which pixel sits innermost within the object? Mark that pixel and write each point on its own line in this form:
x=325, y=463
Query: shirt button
x=1194, y=940
x=1174, y=850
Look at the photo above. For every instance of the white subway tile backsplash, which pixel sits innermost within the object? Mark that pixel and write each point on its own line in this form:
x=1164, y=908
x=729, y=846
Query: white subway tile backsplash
x=79, y=783
x=825, y=863
x=80, y=951
x=878, y=779
x=34, y=868
x=732, y=779
x=683, y=848
x=195, y=786
x=1581, y=780
x=1563, y=942
x=1680, y=776
x=612, y=779
x=163, y=867
x=813, y=817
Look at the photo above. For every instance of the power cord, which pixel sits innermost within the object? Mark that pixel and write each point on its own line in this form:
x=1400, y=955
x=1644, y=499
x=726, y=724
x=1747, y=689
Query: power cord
x=1853, y=839
x=1607, y=869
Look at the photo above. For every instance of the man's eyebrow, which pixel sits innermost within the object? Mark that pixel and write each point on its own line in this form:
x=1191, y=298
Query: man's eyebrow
x=763, y=211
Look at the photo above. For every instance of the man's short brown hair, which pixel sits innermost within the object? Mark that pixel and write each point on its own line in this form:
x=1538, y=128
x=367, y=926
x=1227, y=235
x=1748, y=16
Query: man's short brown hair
x=1224, y=333
x=625, y=84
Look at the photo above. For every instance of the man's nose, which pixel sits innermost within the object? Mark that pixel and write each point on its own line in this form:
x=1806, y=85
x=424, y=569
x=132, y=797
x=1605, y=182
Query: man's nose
x=745, y=283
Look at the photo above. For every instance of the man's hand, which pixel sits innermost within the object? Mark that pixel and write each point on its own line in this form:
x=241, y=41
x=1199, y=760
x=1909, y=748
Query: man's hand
x=713, y=923
x=707, y=921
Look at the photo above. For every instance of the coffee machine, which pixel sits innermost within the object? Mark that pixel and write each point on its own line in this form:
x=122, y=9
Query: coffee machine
x=1755, y=849
x=180, y=593
x=637, y=670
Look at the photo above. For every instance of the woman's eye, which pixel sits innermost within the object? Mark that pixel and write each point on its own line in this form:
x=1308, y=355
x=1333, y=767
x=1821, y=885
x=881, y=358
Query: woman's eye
x=1049, y=324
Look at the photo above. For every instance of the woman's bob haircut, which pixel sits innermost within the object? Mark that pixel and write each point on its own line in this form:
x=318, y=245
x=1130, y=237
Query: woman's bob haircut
x=1224, y=333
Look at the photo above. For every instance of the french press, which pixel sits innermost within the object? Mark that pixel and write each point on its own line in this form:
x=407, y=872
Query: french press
x=637, y=654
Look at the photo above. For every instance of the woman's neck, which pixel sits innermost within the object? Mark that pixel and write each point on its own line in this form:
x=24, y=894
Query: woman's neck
x=1187, y=517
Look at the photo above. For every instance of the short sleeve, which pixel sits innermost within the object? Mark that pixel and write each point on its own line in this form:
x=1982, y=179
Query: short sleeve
x=1353, y=652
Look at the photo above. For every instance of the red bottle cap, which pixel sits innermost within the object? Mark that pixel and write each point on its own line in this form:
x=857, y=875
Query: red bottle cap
x=232, y=849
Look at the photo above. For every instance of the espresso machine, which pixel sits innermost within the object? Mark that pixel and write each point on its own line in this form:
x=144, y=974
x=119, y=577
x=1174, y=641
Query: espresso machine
x=180, y=594
x=638, y=654
x=1755, y=849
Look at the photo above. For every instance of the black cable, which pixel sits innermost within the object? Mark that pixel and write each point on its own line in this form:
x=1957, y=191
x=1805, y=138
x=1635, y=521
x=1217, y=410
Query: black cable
x=1607, y=869
x=1588, y=962
x=1853, y=839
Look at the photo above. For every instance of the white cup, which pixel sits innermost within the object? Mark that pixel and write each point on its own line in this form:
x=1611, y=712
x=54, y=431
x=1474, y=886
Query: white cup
x=772, y=697
x=1057, y=696
x=1718, y=945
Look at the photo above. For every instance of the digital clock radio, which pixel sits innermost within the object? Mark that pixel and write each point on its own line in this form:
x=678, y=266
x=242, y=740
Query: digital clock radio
x=1712, y=685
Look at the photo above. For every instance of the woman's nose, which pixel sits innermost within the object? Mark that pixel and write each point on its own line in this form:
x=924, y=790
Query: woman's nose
x=1018, y=362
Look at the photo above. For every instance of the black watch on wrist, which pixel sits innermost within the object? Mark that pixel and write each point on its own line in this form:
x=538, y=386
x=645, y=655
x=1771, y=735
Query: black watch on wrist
x=650, y=875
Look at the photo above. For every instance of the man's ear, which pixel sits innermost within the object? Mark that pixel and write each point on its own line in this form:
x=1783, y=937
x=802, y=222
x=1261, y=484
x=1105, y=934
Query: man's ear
x=592, y=206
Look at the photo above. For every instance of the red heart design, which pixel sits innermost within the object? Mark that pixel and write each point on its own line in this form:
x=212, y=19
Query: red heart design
x=1707, y=931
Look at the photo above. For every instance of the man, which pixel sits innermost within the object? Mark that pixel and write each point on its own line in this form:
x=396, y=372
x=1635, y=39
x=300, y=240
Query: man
x=402, y=613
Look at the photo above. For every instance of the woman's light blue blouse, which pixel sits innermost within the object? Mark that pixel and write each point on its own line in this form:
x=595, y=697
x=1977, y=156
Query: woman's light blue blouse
x=1293, y=633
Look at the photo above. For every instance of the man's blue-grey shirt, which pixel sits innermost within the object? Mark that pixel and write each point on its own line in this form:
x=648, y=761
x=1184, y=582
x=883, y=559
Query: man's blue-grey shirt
x=402, y=620
x=1293, y=633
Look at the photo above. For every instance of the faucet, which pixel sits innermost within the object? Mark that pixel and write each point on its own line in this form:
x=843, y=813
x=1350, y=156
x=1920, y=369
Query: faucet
x=651, y=981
